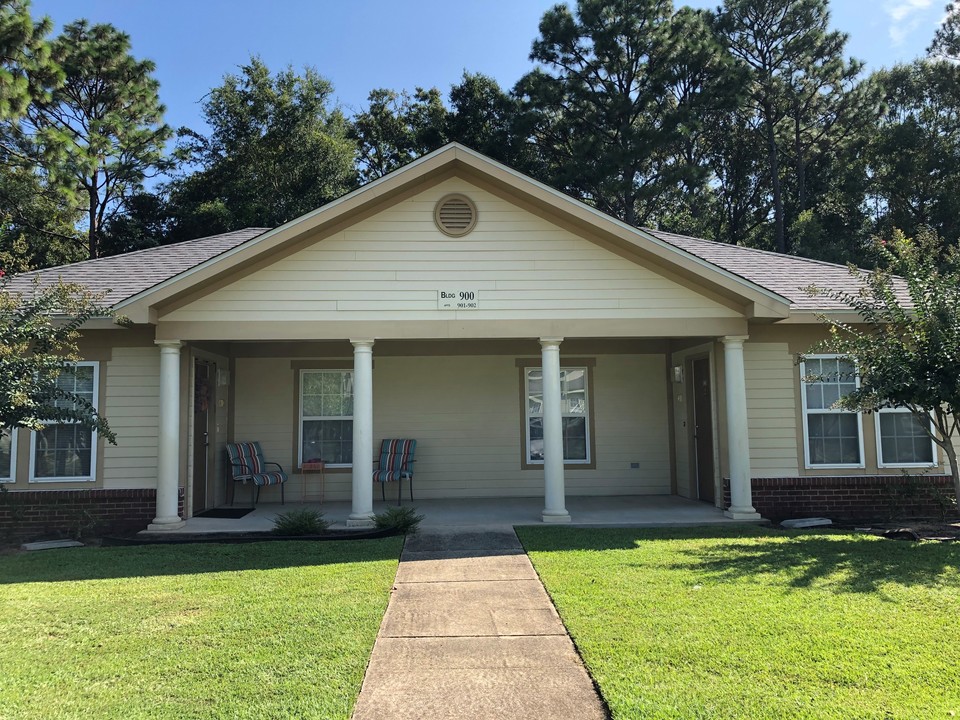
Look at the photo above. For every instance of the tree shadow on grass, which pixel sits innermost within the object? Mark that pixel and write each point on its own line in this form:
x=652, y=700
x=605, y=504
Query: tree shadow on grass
x=155, y=560
x=833, y=560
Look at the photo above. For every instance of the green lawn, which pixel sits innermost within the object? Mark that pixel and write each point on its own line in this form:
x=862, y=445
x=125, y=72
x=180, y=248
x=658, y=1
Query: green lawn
x=744, y=622
x=265, y=630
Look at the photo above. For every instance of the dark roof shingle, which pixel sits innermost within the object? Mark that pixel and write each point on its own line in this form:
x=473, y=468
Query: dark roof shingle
x=119, y=277
x=786, y=275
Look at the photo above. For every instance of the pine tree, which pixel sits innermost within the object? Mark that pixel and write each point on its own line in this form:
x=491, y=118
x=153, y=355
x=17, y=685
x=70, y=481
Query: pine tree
x=36, y=226
x=946, y=41
x=805, y=94
x=101, y=133
x=613, y=100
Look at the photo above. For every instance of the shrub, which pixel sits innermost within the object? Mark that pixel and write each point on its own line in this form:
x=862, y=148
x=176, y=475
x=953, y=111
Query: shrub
x=300, y=522
x=404, y=519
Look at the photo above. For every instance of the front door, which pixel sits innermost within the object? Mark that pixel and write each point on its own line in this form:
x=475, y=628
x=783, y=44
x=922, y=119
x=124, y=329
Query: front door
x=703, y=429
x=202, y=415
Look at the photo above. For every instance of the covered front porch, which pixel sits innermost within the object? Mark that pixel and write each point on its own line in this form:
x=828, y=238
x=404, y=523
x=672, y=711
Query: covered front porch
x=441, y=515
x=640, y=436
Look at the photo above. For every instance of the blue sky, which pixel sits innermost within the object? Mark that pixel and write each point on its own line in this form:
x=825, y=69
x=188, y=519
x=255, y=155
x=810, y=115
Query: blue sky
x=365, y=44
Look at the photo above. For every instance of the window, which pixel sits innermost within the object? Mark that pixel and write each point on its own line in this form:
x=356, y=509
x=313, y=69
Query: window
x=326, y=416
x=8, y=454
x=833, y=438
x=66, y=451
x=574, y=408
x=902, y=441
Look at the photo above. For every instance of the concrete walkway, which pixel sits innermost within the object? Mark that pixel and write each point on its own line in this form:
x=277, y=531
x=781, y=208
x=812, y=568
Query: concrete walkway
x=470, y=633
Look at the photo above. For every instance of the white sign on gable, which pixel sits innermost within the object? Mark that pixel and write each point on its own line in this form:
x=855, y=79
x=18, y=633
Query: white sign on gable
x=456, y=299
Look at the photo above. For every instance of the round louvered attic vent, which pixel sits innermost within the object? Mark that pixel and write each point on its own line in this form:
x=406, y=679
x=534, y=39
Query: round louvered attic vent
x=455, y=215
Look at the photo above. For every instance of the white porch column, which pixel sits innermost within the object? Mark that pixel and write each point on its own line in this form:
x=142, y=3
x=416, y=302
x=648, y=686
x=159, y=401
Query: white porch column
x=168, y=449
x=738, y=441
x=361, y=514
x=554, y=493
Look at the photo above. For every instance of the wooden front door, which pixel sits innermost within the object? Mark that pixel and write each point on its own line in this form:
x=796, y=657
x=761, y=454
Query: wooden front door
x=703, y=429
x=203, y=404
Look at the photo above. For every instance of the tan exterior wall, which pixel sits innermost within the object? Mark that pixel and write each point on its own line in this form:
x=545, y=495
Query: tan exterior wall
x=773, y=417
x=129, y=366
x=466, y=416
x=132, y=409
x=775, y=408
x=390, y=267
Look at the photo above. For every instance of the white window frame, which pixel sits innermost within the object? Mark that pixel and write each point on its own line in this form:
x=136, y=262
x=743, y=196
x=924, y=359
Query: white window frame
x=807, y=411
x=527, y=415
x=94, y=440
x=12, y=477
x=880, y=463
x=339, y=371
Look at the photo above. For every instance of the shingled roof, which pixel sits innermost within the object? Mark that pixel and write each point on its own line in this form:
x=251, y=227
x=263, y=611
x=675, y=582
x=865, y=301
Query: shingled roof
x=120, y=277
x=786, y=275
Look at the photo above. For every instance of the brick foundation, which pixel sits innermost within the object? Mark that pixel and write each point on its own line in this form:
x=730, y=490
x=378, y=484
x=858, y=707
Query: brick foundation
x=875, y=497
x=48, y=514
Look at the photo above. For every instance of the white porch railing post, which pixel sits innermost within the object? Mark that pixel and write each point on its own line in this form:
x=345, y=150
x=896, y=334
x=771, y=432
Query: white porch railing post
x=361, y=514
x=738, y=439
x=168, y=449
x=554, y=493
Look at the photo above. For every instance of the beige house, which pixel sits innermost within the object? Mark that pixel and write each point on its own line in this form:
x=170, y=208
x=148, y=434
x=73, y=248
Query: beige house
x=532, y=345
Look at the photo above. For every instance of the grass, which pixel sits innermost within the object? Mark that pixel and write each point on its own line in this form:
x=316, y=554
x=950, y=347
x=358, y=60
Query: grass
x=757, y=623
x=262, y=630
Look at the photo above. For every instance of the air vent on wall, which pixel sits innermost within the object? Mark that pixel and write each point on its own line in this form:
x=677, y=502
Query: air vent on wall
x=455, y=215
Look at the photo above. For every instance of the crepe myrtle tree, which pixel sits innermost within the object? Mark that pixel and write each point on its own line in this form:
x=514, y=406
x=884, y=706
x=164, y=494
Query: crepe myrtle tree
x=906, y=347
x=39, y=330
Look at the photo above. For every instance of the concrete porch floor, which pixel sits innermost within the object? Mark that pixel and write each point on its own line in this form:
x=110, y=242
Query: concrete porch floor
x=489, y=513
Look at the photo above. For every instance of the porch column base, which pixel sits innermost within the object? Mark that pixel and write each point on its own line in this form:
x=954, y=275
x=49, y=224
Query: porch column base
x=360, y=521
x=163, y=524
x=747, y=513
x=555, y=516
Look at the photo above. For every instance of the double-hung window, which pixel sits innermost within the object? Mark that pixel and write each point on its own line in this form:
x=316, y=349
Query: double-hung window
x=833, y=438
x=326, y=417
x=574, y=409
x=8, y=454
x=66, y=451
x=902, y=441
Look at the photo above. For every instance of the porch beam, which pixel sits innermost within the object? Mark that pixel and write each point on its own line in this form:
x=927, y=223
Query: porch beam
x=168, y=448
x=361, y=514
x=738, y=439
x=554, y=492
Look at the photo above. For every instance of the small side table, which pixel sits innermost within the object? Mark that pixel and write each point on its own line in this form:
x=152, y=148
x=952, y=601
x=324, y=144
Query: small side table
x=312, y=467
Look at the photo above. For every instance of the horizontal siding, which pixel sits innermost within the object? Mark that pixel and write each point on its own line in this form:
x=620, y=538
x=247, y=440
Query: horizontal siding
x=466, y=416
x=393, y=264
x=132, y=409
x=771, y=409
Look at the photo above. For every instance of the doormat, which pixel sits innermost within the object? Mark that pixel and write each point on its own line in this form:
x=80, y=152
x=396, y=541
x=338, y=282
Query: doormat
x=232, y=513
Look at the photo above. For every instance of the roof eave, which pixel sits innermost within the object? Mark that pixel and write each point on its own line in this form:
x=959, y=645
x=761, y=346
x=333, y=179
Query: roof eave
x=808, y=316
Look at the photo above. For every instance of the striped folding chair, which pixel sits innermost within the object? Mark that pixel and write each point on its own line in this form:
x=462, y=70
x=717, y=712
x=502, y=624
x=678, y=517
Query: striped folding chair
x=247, y=464
x=395, y=465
